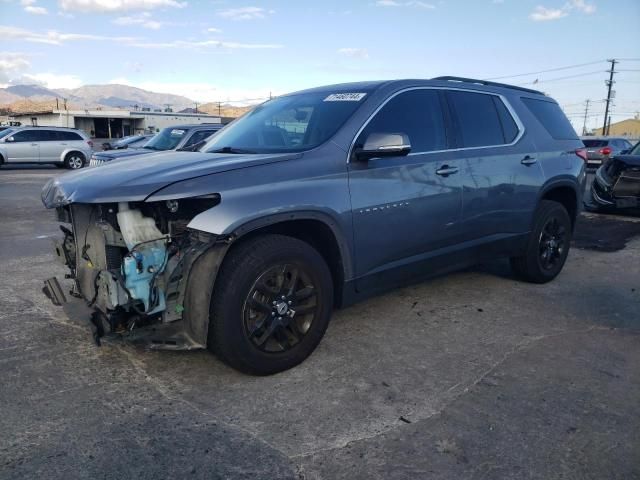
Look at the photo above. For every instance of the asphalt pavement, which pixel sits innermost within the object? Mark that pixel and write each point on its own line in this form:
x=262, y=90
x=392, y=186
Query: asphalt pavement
x=474, y=375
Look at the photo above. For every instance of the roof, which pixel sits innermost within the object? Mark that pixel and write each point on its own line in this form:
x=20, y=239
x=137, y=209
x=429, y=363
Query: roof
x=197, y=125
x=447, y=81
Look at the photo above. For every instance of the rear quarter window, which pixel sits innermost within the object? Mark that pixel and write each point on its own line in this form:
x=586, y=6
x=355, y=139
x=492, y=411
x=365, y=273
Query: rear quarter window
x=62, y=135
x=552, y=118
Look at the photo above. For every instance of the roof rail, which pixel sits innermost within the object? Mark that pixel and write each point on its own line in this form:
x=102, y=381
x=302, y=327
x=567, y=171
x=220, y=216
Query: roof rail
x=486, y=82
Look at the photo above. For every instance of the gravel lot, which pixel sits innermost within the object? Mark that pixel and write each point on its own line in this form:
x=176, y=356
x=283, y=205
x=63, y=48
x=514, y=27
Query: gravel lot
x=472, y=375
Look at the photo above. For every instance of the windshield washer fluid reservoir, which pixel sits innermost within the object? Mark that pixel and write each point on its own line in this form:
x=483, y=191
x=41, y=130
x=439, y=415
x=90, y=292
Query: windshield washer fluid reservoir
x=135, y=227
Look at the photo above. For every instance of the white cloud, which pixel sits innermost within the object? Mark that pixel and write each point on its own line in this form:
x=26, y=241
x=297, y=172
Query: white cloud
x=245, y=13
x=542, y=14
x=52, y=80
x=35, y=10
x=410, y=3
x=12, y=64
x=214, y=30
x=206, y=44
x=52, y=37
x=114, y=6
x=202, y=92
x=354, y=52
x=582, y=6
x=142, y=20
x=32, y=8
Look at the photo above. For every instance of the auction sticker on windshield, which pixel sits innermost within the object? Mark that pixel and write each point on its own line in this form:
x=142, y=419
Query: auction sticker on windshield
x=345, y=97
x=177, y=133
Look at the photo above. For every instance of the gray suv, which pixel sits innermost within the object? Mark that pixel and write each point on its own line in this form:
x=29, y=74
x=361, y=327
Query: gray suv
x=315, y=200
x=63, y=147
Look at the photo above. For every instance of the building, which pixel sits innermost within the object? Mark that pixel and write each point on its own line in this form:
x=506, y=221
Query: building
x=629, y=128
x=111, y=123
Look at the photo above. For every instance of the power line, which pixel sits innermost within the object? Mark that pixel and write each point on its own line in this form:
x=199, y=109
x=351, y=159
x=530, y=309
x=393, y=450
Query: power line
x=547, y=71
x=562, y=78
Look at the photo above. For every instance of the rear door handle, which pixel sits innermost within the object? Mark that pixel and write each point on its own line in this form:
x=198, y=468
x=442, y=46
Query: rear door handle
x=528, y=160
x=446, y=170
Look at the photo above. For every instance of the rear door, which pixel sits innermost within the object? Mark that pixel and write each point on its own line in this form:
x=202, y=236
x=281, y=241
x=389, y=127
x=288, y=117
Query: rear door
x=24, y=148
x=403, y=209
x=50, y=148
x=499, y=171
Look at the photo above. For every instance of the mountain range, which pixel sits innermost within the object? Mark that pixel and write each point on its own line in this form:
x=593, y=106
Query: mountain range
x=92, y=96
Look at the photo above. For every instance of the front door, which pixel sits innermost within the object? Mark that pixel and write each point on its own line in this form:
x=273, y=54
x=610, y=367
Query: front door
x=407, y=207
x=23, y=148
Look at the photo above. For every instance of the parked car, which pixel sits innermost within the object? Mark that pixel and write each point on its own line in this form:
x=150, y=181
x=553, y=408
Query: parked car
x=63, y=147
x=600, y=149
x=180, y=137
x=133, y=142
x=617, y=183
x=315, y=200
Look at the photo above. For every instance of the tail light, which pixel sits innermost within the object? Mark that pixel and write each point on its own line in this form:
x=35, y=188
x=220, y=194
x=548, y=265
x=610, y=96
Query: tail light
x=605, y=151
x=582, y=153
x=90, y=143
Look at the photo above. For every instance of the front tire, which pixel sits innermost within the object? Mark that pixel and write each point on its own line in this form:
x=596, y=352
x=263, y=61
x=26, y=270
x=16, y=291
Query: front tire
x=547, y=246
x=74, y=161
x=271, y=304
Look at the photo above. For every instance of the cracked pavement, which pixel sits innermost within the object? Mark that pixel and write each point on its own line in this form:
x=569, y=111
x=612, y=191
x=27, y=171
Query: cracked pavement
x=468, y=376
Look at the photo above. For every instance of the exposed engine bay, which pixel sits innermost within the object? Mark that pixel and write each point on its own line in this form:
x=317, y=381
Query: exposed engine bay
x=131, y=261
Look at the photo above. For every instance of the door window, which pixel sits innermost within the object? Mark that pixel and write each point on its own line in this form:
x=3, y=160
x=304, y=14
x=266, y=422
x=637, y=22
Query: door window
x=198, y=137
x=478, y=121
x=416, y=113
x=27, y=136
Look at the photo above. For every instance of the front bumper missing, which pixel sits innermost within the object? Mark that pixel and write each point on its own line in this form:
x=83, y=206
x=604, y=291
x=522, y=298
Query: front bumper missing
x=183, y=325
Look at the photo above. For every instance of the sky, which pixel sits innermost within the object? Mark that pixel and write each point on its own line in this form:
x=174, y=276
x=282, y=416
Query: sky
x=230, y=50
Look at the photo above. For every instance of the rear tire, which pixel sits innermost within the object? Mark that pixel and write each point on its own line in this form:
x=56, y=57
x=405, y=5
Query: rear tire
x=271, y=304
x=548, y=244
x=74, y=160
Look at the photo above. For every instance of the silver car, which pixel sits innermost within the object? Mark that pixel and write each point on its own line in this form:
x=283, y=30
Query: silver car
x=64, y=147
x=599, y=149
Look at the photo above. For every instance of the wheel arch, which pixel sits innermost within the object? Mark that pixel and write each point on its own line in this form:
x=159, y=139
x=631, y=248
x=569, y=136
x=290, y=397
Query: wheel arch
x=68, y=151
x=315, y=228
x=565, y=193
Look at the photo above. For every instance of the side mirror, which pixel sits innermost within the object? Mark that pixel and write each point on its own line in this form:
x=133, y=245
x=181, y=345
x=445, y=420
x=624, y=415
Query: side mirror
x=10, y=139
x=378, y=145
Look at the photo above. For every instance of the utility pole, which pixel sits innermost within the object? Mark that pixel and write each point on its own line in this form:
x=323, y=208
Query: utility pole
x=196, y=107
x=586, y=111
x=219, y=106
x=609, y=84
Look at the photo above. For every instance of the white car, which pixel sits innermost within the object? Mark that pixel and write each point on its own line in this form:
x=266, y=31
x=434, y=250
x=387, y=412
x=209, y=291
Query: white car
x=64, y=147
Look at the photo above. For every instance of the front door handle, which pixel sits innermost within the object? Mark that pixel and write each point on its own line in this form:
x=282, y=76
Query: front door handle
x=446, y=170
x=528, y=160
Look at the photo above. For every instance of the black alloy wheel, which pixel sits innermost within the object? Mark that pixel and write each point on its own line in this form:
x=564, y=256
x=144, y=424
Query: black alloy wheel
x=271, y=304
x=547, y=246
x=280, y=308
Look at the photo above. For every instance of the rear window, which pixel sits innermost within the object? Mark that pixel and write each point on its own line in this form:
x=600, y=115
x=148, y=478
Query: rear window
x=62, y=135
x=594, y=143
x=552, y=118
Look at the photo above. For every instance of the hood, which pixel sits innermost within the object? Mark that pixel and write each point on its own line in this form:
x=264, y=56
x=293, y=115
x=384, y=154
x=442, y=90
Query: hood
x=135, y=181
x=113, y=154
x=629, y=160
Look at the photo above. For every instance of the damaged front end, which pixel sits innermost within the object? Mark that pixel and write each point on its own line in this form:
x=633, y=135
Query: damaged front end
x=131, y=262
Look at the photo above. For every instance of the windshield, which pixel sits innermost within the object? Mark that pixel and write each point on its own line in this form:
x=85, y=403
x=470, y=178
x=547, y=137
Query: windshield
x=635, y=150
x=287, y=124
x=4, y=133
x=167, y=139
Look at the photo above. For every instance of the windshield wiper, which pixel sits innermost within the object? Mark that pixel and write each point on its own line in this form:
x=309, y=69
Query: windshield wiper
x=231, y=150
